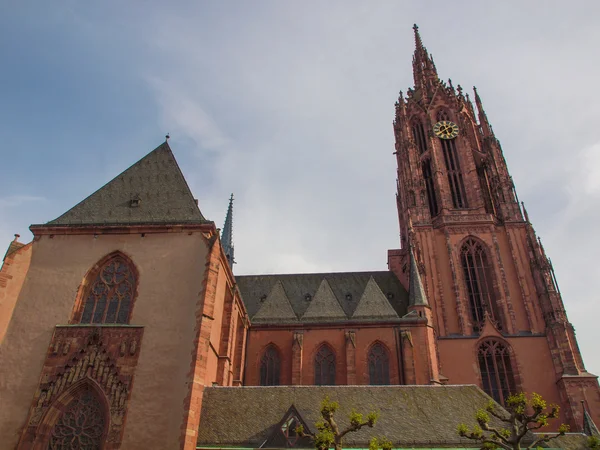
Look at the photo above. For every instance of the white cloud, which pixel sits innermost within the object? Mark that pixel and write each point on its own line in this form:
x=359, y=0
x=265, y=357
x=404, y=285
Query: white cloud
x=18, y=200
x=182, y=114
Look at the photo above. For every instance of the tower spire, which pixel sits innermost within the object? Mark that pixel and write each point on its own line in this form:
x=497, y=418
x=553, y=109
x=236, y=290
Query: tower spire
x=424, y=71
x=227, y=234
x=416, y=291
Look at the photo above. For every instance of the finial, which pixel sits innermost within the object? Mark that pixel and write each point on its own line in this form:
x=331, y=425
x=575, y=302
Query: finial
x=418, y=41
x=525, y=212
x=477, y=98
x=167, y=137
x=227, y=234
x=17, y=236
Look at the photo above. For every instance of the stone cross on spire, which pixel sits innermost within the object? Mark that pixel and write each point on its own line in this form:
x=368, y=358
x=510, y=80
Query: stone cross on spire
x=227, y=234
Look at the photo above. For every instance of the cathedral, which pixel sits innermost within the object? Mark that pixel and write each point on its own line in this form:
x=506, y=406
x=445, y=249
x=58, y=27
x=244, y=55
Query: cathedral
x=123, y=326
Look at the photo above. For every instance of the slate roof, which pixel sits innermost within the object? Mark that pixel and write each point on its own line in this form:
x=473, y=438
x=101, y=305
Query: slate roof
x=410, y=416
x=570, y=441
x=276, y=307
x=152, y=191
x=347, y=288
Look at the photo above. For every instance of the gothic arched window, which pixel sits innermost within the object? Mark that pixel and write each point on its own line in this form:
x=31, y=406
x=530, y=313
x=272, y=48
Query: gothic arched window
x=478, y=274
x=324, y=366
x=455, y=178
x=81, y=425
x=496, y=370
x=379, y=365
x=269, y=367
x=443, y=115
x=111, y=292
x=428, y=177
x=419, y=135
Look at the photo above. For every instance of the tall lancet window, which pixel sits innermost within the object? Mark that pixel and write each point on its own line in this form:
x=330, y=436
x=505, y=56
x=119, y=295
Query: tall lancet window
x=419, y=135
x=496, y=370
x=379, y=365
x=428, y=177
x=324, y=366
x=455, y=178
x=269, y=367
x=111, y=291
x=478, y=274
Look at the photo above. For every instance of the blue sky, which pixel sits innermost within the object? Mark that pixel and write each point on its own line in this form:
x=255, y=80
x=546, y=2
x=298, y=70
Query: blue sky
x=289, y=105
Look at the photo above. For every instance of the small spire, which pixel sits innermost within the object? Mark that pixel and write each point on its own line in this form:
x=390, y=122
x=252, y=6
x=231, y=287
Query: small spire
x=418, y=41
x=416, y=292
x=525, y=212
x=424, y=71
x=227, y=234
x=483, y=120
x=167, y=137
x=589, y=427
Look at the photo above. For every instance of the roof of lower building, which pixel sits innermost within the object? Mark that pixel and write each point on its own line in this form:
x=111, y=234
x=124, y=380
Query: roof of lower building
x=570, y=441
x=323, y=297
x=410, y=416
x=151, y=191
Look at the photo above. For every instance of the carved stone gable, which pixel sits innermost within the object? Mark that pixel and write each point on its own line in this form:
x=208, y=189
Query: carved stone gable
x=101, y=357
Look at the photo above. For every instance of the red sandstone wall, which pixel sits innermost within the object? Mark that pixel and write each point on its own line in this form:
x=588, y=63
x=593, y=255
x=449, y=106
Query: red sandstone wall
x=12, y=276
x=313, y=338
x=534, y=365
x=171, y=269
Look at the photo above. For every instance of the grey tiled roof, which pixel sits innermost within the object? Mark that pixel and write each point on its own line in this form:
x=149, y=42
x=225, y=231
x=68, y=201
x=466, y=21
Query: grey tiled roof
x=276, y=307
x=410, y=416
x=347, y=288
x=373, y=304
x=570, y=441
x=152, y=191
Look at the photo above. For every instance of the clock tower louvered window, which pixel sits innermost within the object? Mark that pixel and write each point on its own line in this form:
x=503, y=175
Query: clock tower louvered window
x=451, y=161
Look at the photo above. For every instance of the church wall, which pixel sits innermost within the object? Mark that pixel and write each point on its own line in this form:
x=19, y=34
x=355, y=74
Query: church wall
x=12, y=276
x=445, y=295
x=512, y=278
x=336, y=338
x=365, y=338
x=256, y=344
x=170, y=267
x=533, y=372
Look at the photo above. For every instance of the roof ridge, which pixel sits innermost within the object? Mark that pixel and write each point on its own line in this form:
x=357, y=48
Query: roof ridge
x=316, y=273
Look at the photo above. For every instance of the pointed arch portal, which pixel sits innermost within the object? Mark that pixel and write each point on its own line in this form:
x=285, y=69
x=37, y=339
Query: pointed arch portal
x=82, y=425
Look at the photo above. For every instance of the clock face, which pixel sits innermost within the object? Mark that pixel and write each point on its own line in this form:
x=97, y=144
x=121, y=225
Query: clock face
x=445, y=129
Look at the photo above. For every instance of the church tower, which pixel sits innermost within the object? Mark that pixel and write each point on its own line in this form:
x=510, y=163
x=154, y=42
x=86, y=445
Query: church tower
x=498, y=314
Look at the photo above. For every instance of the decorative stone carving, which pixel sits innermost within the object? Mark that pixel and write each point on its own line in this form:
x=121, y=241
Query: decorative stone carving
x=298, y=339
x=351, y=337
x=98, y=354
